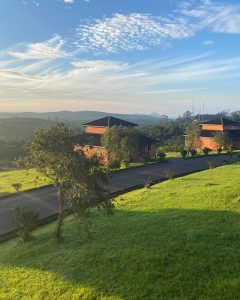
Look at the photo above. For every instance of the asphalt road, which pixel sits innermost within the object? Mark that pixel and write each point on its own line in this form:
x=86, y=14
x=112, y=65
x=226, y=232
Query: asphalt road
x=45, y=200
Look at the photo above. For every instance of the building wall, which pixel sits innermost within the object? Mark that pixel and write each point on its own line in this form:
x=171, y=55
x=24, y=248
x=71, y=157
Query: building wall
x=96, y=130
x=236, y=144
x=212, y=127
x=209, y=143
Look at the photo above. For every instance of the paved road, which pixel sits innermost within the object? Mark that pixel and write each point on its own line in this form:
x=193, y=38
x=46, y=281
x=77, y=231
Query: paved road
x=45, y=200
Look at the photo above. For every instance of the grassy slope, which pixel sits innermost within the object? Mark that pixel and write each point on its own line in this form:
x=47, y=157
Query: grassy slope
x=178, y=240
x=27, y=179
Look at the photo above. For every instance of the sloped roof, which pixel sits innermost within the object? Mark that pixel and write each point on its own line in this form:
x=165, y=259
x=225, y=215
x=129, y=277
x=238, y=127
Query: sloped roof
x=221, y=121
x=109, y=122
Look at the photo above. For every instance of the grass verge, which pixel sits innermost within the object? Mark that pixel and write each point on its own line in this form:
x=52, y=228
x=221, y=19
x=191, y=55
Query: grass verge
x=177, y=240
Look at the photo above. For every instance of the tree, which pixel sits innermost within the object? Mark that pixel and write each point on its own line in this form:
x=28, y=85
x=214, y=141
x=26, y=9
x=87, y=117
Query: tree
x=77, y=177
x=221, y=140
x=193, y=135
x=51, y=152
x=121, y=143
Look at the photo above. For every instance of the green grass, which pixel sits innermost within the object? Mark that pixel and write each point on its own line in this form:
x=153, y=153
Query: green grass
x=177, y=240
x=26, y=178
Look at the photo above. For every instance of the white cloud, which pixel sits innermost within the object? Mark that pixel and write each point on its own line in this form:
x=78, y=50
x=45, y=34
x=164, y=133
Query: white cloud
x=69, y=1
x=140, y=31
x=50, y=49
x=208, y=43
x=133, y=31
x=215, y=16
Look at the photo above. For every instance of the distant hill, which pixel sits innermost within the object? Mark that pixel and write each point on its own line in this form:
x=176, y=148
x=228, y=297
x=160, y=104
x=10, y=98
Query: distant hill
x=80, y=116
x=20, y=126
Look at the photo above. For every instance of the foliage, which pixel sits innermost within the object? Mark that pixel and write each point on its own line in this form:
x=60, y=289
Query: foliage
x=177, y=240
x=77, y=177
x=192, y=132
x=168, y=173
x=205, y=151
x=147, y=183
x=219, y=150
x=160, y=154
x=183, y=153
x=125, y=163
x=193, y=152
x=221, y=139
x=26, y=221
x=121, y=143
x=17, y=186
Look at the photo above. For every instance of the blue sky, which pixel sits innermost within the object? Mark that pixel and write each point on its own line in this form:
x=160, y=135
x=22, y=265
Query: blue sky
x=119, y=56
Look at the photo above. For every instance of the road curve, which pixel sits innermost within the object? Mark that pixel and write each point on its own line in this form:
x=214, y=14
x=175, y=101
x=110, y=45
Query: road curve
x=45, y=200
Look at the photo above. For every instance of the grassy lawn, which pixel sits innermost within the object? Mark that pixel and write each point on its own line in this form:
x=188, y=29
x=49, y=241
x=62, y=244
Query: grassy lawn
x=178, y=240
x=26, y=178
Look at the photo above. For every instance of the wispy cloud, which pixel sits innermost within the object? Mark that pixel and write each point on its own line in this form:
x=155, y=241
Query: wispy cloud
x=50, y=49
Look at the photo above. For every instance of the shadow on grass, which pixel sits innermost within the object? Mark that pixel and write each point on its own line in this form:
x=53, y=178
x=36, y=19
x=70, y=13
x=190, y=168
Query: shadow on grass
x=165, y=254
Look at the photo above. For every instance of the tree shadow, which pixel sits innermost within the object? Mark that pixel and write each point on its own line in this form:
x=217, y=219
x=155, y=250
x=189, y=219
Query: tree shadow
x=164, y=254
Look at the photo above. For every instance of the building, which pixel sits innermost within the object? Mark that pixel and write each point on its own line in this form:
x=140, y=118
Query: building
x=221, y=124
x=96, y=129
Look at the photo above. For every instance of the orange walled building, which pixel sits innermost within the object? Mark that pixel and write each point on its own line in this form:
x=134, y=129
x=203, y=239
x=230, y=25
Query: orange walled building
x=227, y=126
x=96, y=129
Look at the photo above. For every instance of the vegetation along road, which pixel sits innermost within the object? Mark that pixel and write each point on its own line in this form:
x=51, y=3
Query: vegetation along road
x=45, y=200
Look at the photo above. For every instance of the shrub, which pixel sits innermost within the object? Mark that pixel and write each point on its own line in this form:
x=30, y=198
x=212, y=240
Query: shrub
x=17, y=186
x=184, y=153
x=219, y=150
x=193, y=152
x=125, y=163
x=114, y=165
x=147, y=183
x=26, y=221
x=230, y=149
x=205, y=151
x=161, y=155
x=168, y=173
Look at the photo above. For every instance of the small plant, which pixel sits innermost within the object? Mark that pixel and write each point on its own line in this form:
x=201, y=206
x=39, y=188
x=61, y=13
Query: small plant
x=161, y=155
x=205, y=151
x=193, y=152
x=211, y=164
x=183, y=153
x=168, y=173
x=125, y=163
x=147, y=183
x=114, y=165
x=219, y=150
x=26, y=221
x=230, y=149
x=17, y=186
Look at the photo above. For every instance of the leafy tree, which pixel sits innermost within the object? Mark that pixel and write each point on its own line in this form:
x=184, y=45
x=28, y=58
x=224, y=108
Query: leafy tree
x=121, y=143
x=221, y=140
x=192, y=131
x=77, y=177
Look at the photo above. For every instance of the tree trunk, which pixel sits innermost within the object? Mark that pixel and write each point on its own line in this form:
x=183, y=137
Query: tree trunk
x=58, y=232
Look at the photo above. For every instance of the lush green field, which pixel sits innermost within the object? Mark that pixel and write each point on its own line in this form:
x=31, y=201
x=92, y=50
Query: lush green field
x=178, y=240
x=29, y=179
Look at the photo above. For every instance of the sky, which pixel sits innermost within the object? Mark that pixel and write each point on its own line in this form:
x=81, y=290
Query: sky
x=125, y=56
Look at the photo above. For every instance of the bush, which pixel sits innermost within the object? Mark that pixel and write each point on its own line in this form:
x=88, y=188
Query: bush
x=125, y=163
x=147, y=183
x=219, y=150
x=230, y=149
x=168, y=173
x=114, y=165
x=205, y=151
x=161, y=155
x=17, y=186
x=183, y=153
x=193, y=152
x=26, y=221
